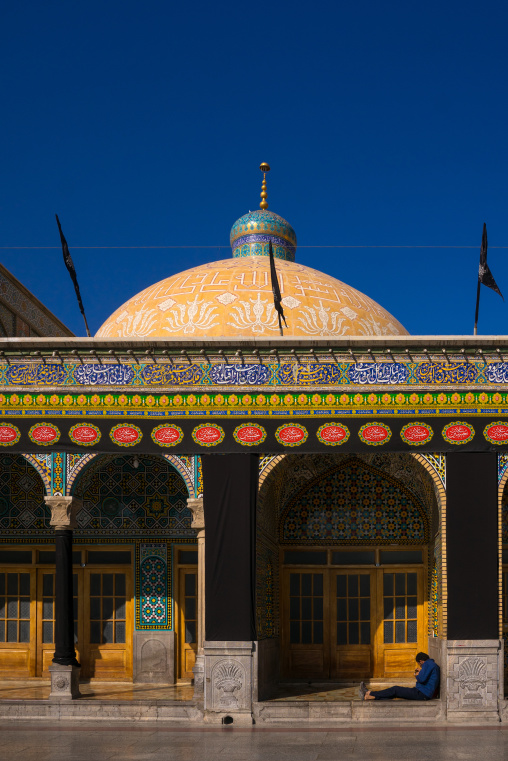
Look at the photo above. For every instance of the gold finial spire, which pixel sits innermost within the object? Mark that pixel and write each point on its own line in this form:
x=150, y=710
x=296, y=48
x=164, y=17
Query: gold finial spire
x=264, y=195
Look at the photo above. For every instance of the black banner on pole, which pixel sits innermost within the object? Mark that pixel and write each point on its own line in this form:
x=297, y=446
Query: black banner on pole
x=72, y=272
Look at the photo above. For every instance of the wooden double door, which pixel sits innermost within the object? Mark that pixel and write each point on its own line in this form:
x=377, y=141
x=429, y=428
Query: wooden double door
x=352, y=623
x=102, y=621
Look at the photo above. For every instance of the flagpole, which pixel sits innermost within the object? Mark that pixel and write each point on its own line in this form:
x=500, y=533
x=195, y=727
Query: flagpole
x=86, y=327
x=277, y=298
x=477, y=308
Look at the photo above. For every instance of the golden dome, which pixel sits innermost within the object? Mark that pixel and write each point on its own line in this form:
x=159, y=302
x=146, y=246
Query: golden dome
x=234, y=297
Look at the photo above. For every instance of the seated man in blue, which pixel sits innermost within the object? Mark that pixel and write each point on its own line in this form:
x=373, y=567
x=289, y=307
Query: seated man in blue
x=427, y=684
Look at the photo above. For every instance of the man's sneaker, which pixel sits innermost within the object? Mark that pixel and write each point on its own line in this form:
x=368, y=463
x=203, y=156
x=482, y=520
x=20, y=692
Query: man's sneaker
x=363, y=690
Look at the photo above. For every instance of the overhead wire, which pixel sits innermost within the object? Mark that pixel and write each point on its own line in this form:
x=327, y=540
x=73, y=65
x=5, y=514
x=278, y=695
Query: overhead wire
x=341, y=245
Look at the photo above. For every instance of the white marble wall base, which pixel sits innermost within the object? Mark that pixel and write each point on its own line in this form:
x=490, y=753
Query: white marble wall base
x=228, y=681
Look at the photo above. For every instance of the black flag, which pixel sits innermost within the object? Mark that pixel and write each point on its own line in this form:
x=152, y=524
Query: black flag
x=72, y=272
x=276, y=290
x=485, y=276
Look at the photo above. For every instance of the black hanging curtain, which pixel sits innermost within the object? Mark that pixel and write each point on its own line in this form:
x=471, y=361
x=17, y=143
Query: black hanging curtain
x=230, y=487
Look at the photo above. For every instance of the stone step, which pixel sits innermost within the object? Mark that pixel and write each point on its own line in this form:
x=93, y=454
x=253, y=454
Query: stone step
x=348, y=711
x=102, y=710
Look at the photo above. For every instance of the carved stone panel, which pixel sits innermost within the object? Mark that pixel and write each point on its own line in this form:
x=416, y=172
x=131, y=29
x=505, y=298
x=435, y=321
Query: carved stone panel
x=228, y=686
x=473, y=681
x=472, y=678
x=228, y=677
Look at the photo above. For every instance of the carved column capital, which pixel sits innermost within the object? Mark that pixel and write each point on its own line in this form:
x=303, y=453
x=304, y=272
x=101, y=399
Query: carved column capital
x=198, y=513
x=63, y=511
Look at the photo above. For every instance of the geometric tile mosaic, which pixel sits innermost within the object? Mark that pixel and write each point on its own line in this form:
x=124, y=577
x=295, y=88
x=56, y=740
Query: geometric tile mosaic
x=148, y=499
x=354, y=504
x=22, y=492
x=153, y=596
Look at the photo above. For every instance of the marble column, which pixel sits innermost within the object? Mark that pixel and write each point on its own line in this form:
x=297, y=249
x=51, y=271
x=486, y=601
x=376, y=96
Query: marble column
x=65, y=668
x=198, y=523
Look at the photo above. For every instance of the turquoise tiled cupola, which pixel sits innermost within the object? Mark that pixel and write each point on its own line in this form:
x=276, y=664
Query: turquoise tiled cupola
x=252, y=233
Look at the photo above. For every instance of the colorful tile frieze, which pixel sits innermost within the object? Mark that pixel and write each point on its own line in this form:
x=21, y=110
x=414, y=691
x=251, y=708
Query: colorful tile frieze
x=268, y=372
x=264, y=462
x=372, y=373
x=58, y=473
x=471, y=402
x=198, y=488
x=153, y=609
x=438, y=463
x=74, y=464
x=502, y=465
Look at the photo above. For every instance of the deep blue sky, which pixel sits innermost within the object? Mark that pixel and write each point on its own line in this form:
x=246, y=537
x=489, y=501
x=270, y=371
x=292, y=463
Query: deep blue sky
x=144, y=123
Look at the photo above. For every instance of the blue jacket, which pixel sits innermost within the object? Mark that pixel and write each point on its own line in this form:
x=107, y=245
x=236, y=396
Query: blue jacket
x=427, y=681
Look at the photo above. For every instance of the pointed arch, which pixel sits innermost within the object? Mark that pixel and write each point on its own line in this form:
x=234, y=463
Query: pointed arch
x=185, y=469
x=354, y=517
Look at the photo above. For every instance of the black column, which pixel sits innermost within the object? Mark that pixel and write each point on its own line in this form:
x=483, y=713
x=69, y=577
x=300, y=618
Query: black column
x=472, y=545
x=229, y=494
x=65, y=653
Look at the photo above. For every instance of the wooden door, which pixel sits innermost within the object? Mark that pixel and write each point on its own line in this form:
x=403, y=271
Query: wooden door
x=305, y=629
x=17, y=622
x=107, y=636
x=187, y=621
x=401, y=623
x=353, y=625
x=46, y=617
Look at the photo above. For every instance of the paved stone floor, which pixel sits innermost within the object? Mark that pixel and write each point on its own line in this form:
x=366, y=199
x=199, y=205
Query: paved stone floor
x=22, y=741
x=39, y=689
x=323, y=693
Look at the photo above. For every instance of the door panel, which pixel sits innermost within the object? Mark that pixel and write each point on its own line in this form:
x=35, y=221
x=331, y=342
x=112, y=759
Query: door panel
x=352, y=623
x=354, y=632
x=401, y=611
x=27, y=621
x=46, y=617
x=187, y=621
x=17, y=622
x=305, y=634
x=107, y=641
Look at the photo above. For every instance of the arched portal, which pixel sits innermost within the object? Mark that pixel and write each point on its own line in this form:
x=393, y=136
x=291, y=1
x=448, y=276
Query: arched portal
x=138, y=507
x=133, y=549
x=345, y=553
x=23, y=513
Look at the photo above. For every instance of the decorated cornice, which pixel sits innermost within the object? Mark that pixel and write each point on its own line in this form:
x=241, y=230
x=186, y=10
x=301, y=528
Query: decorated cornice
x=291, y=371
x=187, y=397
